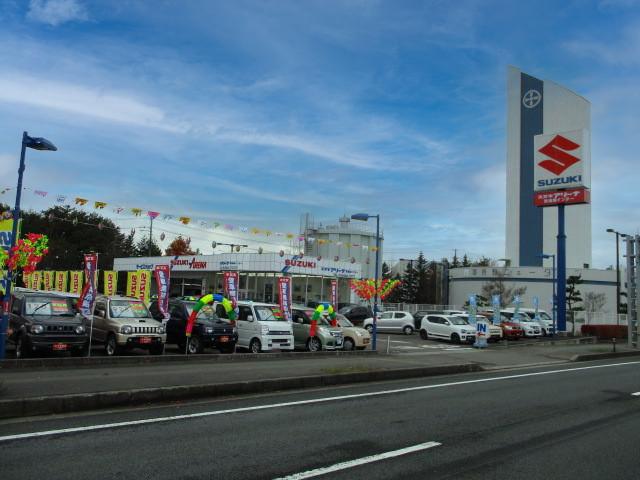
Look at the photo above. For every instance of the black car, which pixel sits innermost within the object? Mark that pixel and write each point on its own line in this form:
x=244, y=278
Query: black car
x=356, y=313
x=45, y=322
x=209, y=331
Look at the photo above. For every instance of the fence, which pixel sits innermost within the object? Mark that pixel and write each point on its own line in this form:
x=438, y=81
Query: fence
x=413, y=307
x=600, y=318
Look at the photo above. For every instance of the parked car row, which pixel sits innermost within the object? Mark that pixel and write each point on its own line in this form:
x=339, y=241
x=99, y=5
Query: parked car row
x=49, y=322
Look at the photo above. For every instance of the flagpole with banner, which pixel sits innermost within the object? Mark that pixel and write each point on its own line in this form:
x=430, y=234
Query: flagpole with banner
x=88, y=296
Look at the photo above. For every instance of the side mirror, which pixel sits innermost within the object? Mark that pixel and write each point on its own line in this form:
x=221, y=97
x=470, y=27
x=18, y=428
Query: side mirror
x=249, y=318
x=100, y=312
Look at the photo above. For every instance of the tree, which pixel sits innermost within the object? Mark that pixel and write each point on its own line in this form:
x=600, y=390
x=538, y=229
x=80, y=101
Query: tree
x=465, y=261
x=455, y=262
x=409, y=287
x=386, y=271
x=141, y=248
x=396, y=294
x=423, y=277
x=483, y=262
x=498, y=287
x=481, y=301
x=574, y=297
x=179, y=246
x=593, y=302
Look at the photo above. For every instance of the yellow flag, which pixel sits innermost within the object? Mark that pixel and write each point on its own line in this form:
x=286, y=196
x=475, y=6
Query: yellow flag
x=144, y=285
x=36, y=278
x=26, y=279
x=77, y=282
x=132, y=284
x=48, y=279
x=61, y=281
x=110, y=282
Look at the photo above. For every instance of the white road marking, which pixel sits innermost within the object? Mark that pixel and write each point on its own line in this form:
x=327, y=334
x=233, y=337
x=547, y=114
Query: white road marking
x=147, y=421
x=360, y=461
x=637, y=394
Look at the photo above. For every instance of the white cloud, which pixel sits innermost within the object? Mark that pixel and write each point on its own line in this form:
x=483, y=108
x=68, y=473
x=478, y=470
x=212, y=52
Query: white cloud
x=56, y=12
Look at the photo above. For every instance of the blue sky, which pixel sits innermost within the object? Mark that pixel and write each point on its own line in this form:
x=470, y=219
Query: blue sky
x=252, y=113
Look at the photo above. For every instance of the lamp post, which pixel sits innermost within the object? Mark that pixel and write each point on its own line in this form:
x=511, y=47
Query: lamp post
x=553, y=281
x=618, y=235
x=364, y=217
x=37, y=144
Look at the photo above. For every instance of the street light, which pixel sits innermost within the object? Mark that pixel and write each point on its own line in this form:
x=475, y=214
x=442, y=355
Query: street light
x=36, y=143
x=618, y=235
x=553, y=311
x=364, y=217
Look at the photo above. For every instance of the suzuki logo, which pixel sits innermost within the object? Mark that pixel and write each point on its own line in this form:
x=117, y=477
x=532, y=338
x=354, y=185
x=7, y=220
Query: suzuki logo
x=557, y=149
x=531, y=99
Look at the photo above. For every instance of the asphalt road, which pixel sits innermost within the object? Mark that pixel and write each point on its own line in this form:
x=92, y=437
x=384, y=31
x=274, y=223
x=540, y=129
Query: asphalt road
x=563, y=422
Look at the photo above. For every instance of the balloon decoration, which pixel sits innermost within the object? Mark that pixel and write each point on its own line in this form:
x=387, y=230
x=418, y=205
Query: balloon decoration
x=26, y=254
x=317, y=314
x=207, y=299
x=367, y=289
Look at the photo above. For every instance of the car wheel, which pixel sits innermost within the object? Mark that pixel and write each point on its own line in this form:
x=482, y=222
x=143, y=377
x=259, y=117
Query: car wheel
x=111, y=347
x=194, y=345
x=408, y=330
x=255, y=346
x=314, y=345
x=369, y=328
x=455, y=338
x=423, y=334
x=349, y=344
x=21, y=348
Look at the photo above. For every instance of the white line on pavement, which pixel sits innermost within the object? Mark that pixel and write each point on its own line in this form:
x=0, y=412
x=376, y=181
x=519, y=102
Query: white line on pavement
x=146, y=421
x=637, y=394
x=360, y=461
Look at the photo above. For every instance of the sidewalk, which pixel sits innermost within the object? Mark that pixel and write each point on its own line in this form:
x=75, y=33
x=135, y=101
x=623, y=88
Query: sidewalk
x=49, y=390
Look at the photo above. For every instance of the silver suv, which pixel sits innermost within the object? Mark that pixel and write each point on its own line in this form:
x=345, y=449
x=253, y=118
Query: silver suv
x=123, y=323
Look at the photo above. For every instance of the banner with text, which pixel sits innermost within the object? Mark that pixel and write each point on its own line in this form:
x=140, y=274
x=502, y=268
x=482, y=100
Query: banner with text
x=76, y=281
x=231, y=280
x=48, y=280
x=61, y=281
x=334, y=294
x=284, y=292
x=162, y=274
x=110, y=282
x=132, y=284
x=89, y=292
x=35, y=280
x=144, y=285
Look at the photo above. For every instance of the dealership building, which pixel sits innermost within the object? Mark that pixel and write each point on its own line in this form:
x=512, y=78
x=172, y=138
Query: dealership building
x=258, y=274
x=540, y=107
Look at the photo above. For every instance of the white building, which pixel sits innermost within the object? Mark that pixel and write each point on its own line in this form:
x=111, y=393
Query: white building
x=349, y=241
x=536, y=107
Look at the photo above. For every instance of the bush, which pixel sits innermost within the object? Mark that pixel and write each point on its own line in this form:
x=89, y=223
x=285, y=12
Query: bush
x=604, y=332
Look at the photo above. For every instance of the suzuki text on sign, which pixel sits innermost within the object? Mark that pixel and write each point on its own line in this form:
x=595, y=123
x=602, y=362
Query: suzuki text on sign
x=562, y=160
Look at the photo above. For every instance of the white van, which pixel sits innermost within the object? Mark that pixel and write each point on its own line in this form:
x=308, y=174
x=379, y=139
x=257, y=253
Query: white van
x=260, y=330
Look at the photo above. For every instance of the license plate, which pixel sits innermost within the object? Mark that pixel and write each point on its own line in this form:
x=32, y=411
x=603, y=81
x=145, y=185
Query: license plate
x=59, y=346
x=224, y=339
x=145, y=339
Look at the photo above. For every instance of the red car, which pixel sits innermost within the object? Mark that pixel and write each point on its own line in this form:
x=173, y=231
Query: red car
x=511, y=330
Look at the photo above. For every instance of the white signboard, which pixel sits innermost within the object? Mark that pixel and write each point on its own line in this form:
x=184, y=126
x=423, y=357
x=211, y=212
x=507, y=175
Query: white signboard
x=562, y=160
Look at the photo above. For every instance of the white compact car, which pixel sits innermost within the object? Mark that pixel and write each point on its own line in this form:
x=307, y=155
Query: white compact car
x=495, y=332
x=447, y=327
x=530, y=327
x=392, y=321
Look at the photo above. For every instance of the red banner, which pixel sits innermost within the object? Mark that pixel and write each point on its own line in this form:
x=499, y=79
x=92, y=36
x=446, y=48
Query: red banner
x=334, y=294
x=162, y=274
x=88, y=295
x=570, y=196
x=284, y=290
x=231, y=280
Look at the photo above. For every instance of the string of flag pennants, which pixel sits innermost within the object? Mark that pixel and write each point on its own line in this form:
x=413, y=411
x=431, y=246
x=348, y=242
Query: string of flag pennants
x=204, y=223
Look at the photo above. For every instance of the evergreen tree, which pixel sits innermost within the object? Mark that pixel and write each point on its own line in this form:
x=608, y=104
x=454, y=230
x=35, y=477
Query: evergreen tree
x=409, y=287
x=423, y=277
x=573, y=298
x=455, y=263
x=386, y=271
x=465, y=261
x=141, y=248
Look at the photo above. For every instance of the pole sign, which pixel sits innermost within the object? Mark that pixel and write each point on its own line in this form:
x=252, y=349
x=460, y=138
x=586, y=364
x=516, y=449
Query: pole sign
x=88, y=296
x=536, y=306
x=572, y=196
x=334, y=293
x=231, y=280
x=561, y=161
x=495, y=301
x=162, y=274
x=284, y=290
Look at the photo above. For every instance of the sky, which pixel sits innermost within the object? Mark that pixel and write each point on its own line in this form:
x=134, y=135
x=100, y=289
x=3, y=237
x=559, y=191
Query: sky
x=251, y=113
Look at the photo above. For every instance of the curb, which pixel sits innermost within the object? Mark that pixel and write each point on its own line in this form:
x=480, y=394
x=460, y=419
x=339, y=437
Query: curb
x=585, y=357
x=125, y=398
x=549, y=343
x=29, y=363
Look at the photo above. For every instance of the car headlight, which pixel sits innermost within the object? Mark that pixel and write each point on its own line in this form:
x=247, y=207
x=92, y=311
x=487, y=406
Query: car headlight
x=265, y=330
x=126, y=329
x=507, y=327
x=359, y=333
x=37, y=329
x=161, y=329
x=235, y=330
x=208, y=329
x=79, y=329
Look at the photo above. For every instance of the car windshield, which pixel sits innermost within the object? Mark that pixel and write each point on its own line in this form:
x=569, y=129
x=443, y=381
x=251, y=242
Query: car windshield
x=266, y=314
x=344, y=310
x=544, y=316
x=129, y=309
x=344, y=322
x=207, y=312
x=50, y=306
x=458, y=320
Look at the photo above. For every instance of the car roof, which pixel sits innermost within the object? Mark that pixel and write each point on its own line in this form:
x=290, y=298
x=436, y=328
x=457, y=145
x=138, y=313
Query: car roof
x=116, y=297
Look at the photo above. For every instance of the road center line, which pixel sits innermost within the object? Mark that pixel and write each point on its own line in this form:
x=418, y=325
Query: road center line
x=171, y=418
x=360, y=461
x=637, y=394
